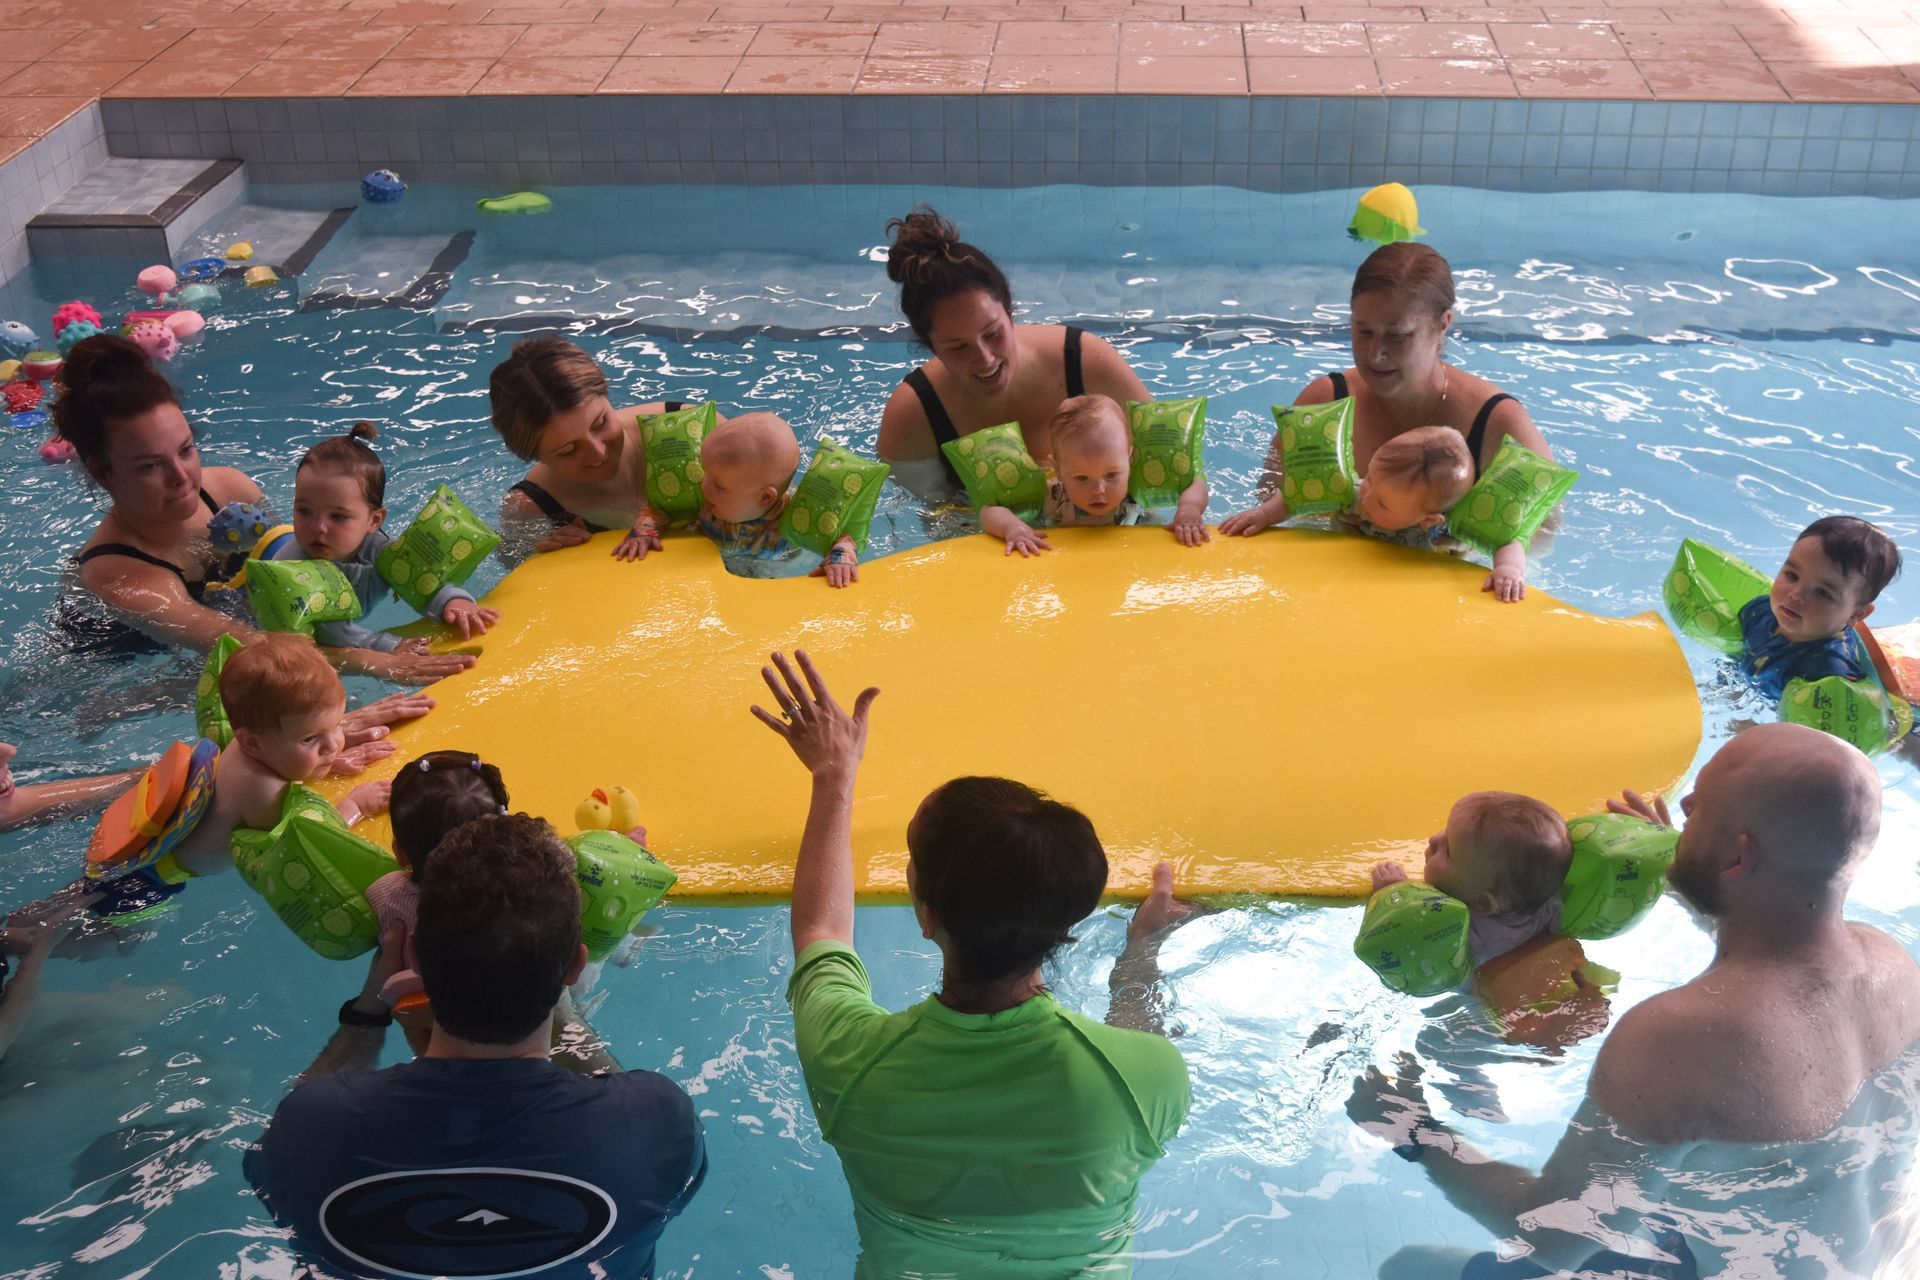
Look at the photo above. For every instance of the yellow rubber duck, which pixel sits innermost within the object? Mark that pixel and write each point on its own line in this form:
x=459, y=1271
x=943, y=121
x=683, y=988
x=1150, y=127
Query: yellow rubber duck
x=240, y=251
x=608, y=809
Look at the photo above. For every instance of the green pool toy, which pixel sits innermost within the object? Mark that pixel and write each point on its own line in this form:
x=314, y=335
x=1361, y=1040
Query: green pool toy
x=1167, y=448
x=314, y=874
x=1857, y=711
x=1619, y=871
x=1415, y=938
x=836, y=499
x=672, y=444
x=1705, y=591
x=1316, y=456
x=997, y=470
x=296, y=595
x=1511, y=499
x=209, y=712
x=620, y=881
x=442, y=547
x=518, y=202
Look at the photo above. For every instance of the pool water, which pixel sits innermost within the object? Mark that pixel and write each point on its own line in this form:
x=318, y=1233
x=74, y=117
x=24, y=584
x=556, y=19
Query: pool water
x=1719, y=367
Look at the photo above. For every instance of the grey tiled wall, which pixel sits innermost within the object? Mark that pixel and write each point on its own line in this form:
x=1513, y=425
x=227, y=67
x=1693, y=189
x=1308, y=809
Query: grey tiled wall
x=1263, y=143
x=37, y=176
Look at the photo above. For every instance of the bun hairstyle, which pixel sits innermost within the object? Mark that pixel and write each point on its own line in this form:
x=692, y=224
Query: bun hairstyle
x=104, y=381
x=347, y=455
x=1007, y=871
x=930, y=263
x=436, y=793
x=543, y=378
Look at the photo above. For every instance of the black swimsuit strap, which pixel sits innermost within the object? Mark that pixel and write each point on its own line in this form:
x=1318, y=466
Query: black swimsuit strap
x=674, y=406
x=550, y=506
x=1076, y=383
x=211, y=504
x=1478, y=434
x=131, y=553
x=937, y=417
x=1339, y=380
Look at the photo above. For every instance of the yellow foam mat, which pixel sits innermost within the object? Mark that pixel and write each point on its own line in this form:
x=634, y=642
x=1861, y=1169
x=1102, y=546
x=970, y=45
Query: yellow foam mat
x=1271, y=714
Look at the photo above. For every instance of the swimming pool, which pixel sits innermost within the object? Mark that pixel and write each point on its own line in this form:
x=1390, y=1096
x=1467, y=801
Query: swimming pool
x=1716, y=366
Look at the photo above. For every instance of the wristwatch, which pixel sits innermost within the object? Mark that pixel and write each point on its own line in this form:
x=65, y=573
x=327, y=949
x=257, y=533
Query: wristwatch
x=351, y=1016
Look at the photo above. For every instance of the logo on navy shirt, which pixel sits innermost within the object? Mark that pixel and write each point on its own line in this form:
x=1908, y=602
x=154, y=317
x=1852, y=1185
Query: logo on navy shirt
x=466, y=1222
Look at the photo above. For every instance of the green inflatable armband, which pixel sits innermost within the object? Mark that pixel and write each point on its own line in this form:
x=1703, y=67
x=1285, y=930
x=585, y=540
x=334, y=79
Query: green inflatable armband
x=294, y=595
x=1167, y=442
x=1706, y=589
x=997, y=470
x=1619, y=871
x=1855, y=711
x=314, y=873
x=1316, y=456
x=672, y=443
x=835, y=500
x=518, y=202
x=619, y=882
x=443, y=546
x=209, y=712
x=1511, y=499
x=1415, y=938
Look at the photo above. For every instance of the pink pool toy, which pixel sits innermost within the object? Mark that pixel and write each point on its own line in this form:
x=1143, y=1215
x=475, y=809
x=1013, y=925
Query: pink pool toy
x=154, y=338
x=56, y=450
x=67, y=312
x=185, y=324
x=133, y=318
x=157, y=280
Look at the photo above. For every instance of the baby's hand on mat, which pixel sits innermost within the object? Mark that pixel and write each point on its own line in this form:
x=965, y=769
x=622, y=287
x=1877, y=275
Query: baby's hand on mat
x=1508, y=585
x=470, y=617
x=1386, y=873
x=642, y=538
x=1190, y=531
x=841, y=568
x=567, y=535
x=357, y=759
x=1027, y=540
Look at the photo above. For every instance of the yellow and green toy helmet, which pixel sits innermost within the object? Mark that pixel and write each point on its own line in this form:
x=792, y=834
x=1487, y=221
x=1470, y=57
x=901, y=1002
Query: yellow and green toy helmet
x=1387, y=214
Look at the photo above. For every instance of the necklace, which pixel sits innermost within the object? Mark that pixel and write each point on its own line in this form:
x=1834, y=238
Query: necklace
x=1444, y=382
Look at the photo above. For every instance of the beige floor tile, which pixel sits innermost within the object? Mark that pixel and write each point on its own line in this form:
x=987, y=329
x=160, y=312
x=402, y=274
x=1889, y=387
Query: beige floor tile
x=1446, y=77
x=1811, y=82
x=1074, y=39
x=794, y=73
x=545, y=75
x=456, y=42
x=927, y=73
x=1432, y=39
x=1202, y=39
x=63, y=79
x=693, y=39
x=1052, y=73
x=932, y=39
x=1333, y=74
x=1556, y=40
x=575, y=40
x=420, y=77
x=811, y=40
x=204, y=44
x=115, y=45
x=297, y=78
x=370, y=41
x=35, y=116
x=1307, y=39
x=1577, y=78
x=1181, y=73
x=693, y=73
x=1718, y=80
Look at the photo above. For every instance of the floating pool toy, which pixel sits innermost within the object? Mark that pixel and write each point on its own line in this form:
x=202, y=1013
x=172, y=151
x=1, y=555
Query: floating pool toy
x=40, y=365
x=620, y=881
x=1386, y=215
x=10, y=370
x=1316, y=456
x=260, y=277
x=198, y=295
x=240, y=251
x=185, y=324
x=1167, y=449
x=1546, y=993
x=157, y=280
x=67, y=312
x=836, y=499
x=1379, y=633
x=997, y=470
x=156, y=339
x=16, y=338
x=1511, y=500
x=150, y=819
x=57, y=450
x=382, y=186
x=672, y=444
x=22, y=394
x=29, y=420
x=518, y=202
x=267, y=547
x=72, y=335
x=608, y=809
x=202, y=268
x=133, y=318
x=441, y=548
x=313, y=873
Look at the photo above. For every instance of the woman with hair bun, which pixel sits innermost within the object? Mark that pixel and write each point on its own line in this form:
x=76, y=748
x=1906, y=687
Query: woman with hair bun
x=986, y=1130
x=986, y=369
x=151, y=559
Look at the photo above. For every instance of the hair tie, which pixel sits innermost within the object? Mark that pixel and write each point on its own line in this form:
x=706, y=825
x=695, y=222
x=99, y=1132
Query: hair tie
x=474, y=764
x=426, y=766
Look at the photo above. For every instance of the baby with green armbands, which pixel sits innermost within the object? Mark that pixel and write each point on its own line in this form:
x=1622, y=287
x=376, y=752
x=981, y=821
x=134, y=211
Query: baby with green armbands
x=1798, y=638
x=1508, y=869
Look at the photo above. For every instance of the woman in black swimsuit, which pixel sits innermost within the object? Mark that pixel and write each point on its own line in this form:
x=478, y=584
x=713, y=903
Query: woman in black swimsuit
x=1402, y=307
x=986, y=369
x=150, y=559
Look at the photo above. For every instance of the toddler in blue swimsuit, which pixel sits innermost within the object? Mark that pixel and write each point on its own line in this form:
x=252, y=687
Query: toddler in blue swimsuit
x=1411, y=483
x=1803, y=629
x=749, y=464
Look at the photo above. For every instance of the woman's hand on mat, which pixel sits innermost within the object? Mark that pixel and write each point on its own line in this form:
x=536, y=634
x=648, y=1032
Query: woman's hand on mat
x=566, y=535
x=1244, y=524
x=827, y=740
x=1159, y=912
x=372, y=720
x=1390, y=1107
x=417, y=665
x=1635, y=805
x=355, y=760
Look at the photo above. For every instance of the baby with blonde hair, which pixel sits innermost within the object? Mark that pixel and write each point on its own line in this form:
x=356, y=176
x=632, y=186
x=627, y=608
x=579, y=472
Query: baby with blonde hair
x=749, y=464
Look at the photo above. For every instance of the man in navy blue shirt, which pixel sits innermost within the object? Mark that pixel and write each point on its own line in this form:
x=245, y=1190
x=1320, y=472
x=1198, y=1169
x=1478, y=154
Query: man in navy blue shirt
x=483, y=1157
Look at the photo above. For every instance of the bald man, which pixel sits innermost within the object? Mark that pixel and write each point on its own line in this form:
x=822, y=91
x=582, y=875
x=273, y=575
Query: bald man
x=1803, y=1034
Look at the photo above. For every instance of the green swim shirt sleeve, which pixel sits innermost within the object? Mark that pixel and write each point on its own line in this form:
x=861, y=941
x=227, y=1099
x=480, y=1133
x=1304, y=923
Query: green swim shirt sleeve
x=1149, y=1068
x=835, y=1021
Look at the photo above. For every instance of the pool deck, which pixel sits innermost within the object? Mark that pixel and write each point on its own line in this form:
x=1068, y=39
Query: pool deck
x=60, y=57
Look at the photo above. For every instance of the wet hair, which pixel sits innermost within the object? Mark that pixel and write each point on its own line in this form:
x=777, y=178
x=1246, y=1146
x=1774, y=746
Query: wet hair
x=1007, y=870
x=102, y=382
x=1434, y=458
x=1526, y=842
x=544, y=377
x=930, y=263
x=436, y=793
x=1080, y=417
x=1857, y=549
x=348, y=455
x=274, y=675
x=1414, y=273
x=498, y=927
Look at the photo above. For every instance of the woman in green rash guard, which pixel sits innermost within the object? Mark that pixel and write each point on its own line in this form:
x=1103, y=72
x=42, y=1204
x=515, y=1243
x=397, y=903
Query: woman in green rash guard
x=986, y=1131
